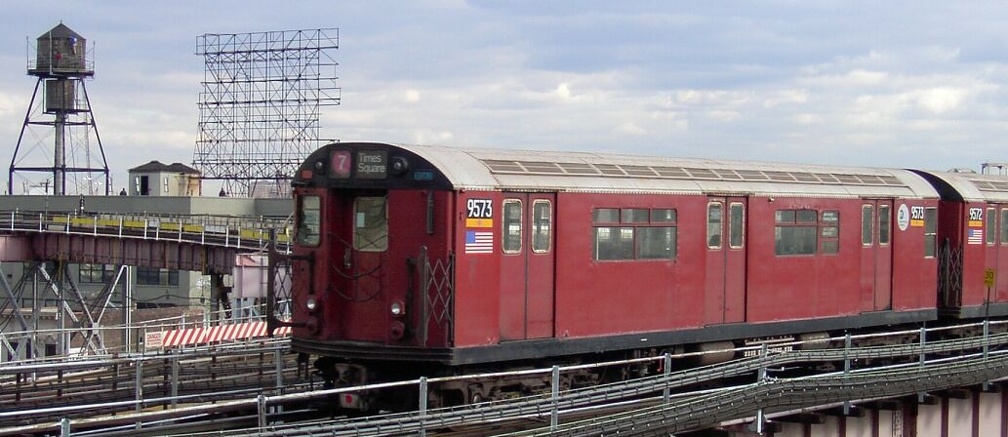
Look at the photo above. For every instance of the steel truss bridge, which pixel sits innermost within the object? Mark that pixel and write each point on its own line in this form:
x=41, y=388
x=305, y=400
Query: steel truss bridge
x=205, y=243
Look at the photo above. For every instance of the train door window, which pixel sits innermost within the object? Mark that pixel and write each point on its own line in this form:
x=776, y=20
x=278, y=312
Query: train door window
x=737, y=225
x=512, y=223
x=714, y=225
x=884, y=224
x=930, y=231
x=989, y=224
x=829, y=232
x=867, y=225
x=542, y=229
x=370, y=224
x=1004, y=226
x=309, y=221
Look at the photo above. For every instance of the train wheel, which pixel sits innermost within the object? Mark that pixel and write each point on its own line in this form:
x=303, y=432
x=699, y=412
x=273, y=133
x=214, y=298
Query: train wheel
x=476, y=394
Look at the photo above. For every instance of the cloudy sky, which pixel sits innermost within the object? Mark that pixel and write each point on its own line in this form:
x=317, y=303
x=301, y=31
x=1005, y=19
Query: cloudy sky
x=898, y=83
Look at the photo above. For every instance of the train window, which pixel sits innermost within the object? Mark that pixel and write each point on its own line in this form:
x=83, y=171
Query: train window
x=657, y=242
x=512, y=223
x=663, y=215
x=370, y=224
x=737, y=217
x=884, y=224
x=605, y=215
x=795, y=232
x=1004, y=226
x=867, y=225
x=714, y=225
x=613, y=243
x=634, y=215
x=644, y=234
x=930, y=231
x=829, y=232
x=542, y=217
x=989, y=224
x=309, y=221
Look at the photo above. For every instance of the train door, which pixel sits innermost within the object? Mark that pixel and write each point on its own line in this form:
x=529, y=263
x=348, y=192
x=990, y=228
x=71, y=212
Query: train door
x=876, y=254
x=1000, y=294
x=527, y=266
x=726, y=260
x=997, y=260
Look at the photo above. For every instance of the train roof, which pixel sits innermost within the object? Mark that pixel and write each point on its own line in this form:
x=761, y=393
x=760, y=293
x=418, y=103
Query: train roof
x=971, y=187
x=507, y=169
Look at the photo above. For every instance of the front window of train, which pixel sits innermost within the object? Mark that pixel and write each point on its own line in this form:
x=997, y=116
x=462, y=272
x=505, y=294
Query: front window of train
x=370, y=224
x=309, y=221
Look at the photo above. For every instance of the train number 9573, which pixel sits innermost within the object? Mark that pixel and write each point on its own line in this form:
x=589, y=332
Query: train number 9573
x=479, y=208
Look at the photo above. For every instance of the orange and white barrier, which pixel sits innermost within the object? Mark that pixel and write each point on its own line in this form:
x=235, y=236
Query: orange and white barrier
x=211, y=334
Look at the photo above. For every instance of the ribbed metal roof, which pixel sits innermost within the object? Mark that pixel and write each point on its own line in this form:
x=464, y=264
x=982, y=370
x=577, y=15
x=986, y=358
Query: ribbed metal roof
x=975, y=187
x=506, y=169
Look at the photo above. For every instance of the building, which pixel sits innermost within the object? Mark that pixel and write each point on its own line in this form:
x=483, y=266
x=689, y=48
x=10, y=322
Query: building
x=157, y=179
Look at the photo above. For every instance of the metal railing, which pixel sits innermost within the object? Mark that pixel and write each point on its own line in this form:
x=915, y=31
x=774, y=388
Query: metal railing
x=661, y=401
x=226, y=231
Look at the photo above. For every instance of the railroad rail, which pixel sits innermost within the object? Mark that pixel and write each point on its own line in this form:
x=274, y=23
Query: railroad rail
x=665, y=401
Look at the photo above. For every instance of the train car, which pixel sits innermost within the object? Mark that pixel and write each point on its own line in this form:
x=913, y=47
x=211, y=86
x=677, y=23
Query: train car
x=972, y=242
x=420, y=260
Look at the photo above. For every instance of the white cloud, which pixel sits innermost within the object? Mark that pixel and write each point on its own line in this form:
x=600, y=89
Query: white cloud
x=939, y=100
x=630, y=128
x=411, y=96
x=563, y=91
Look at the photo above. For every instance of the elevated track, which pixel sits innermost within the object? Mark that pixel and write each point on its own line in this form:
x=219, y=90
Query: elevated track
x=757, y=390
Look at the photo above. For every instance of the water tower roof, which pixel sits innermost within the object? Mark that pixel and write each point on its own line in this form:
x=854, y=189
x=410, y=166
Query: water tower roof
x=61, y=31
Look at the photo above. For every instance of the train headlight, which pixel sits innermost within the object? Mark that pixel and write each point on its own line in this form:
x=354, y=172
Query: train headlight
x=398, y=309
x=399, y=166
x=311, y=304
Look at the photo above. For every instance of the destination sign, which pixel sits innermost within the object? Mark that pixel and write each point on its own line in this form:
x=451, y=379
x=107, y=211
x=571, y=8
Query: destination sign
x=371, y=164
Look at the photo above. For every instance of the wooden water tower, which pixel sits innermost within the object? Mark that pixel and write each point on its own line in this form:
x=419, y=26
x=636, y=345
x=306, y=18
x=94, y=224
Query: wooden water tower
x=61, y=64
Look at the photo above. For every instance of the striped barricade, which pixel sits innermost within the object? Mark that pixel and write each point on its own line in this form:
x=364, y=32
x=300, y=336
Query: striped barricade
x=217, y=334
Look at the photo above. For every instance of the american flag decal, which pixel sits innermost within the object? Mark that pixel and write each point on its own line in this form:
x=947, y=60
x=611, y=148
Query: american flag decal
x=479, y=242
x=975, y=236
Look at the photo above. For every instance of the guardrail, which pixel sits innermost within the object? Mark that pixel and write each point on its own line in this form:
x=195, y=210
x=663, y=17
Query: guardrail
x=226, y=231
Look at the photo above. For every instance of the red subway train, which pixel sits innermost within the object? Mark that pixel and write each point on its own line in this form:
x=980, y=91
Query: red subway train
x=416, y=260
